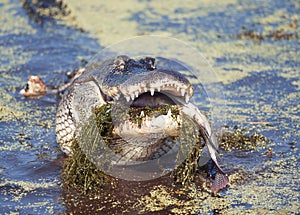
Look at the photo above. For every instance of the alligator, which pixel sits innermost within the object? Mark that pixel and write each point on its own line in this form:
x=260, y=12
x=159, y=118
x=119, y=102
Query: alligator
x=140, y=85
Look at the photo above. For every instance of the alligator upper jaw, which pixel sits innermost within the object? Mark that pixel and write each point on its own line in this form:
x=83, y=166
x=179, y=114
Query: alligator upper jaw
x=157, y=82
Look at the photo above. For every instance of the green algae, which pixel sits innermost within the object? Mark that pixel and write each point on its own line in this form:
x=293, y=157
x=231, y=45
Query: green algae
x=112, y=21
x=78, y=171
x=254, y=197
x=81, y=174
x=181, y=201
x=241, y=140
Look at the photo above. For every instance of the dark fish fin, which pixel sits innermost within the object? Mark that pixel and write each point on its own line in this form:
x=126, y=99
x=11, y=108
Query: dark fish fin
x=221, y=180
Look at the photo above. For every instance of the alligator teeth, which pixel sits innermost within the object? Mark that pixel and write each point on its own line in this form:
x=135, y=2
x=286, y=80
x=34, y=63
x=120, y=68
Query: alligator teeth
x=142, y=113
x=177, y=88
x=158, y=89
x=152, y=91
x=152, y=119
x=169, y=112
x=187, y=98
x=182, y=92
x=147, y=121
x=117, y=96
x=127, y=98
x=145, y=89
x=132, y=97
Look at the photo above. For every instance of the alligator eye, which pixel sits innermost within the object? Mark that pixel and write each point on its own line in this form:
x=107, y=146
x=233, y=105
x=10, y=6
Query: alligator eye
x=149, y=63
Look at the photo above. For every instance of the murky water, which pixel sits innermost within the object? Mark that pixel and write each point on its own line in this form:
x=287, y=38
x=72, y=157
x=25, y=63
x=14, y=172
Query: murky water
x=258, y=71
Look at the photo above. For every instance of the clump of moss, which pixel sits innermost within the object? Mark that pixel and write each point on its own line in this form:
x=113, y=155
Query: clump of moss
x=240, y=140
x=104, y=121
x=78, y=171
x=184, y=174
x=190, y=141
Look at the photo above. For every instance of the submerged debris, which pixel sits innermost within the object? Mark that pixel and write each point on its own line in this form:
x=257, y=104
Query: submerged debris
x=40, y=10
x=288, y=32
x=275, y=35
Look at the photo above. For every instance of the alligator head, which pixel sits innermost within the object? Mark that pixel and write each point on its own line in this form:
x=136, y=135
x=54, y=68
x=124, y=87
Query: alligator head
x=137, y=86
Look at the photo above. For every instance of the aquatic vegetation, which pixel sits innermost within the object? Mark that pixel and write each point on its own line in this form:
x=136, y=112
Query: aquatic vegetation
x=239, y=139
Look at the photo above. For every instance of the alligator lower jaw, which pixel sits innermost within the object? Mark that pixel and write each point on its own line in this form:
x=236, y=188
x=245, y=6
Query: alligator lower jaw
x=144, y=131
x=145, y=125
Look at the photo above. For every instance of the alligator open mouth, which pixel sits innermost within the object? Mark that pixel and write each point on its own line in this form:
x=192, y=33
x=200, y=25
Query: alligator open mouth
x=148, y=105
x=148, y=129
x=154, y=102
x=152, y=90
